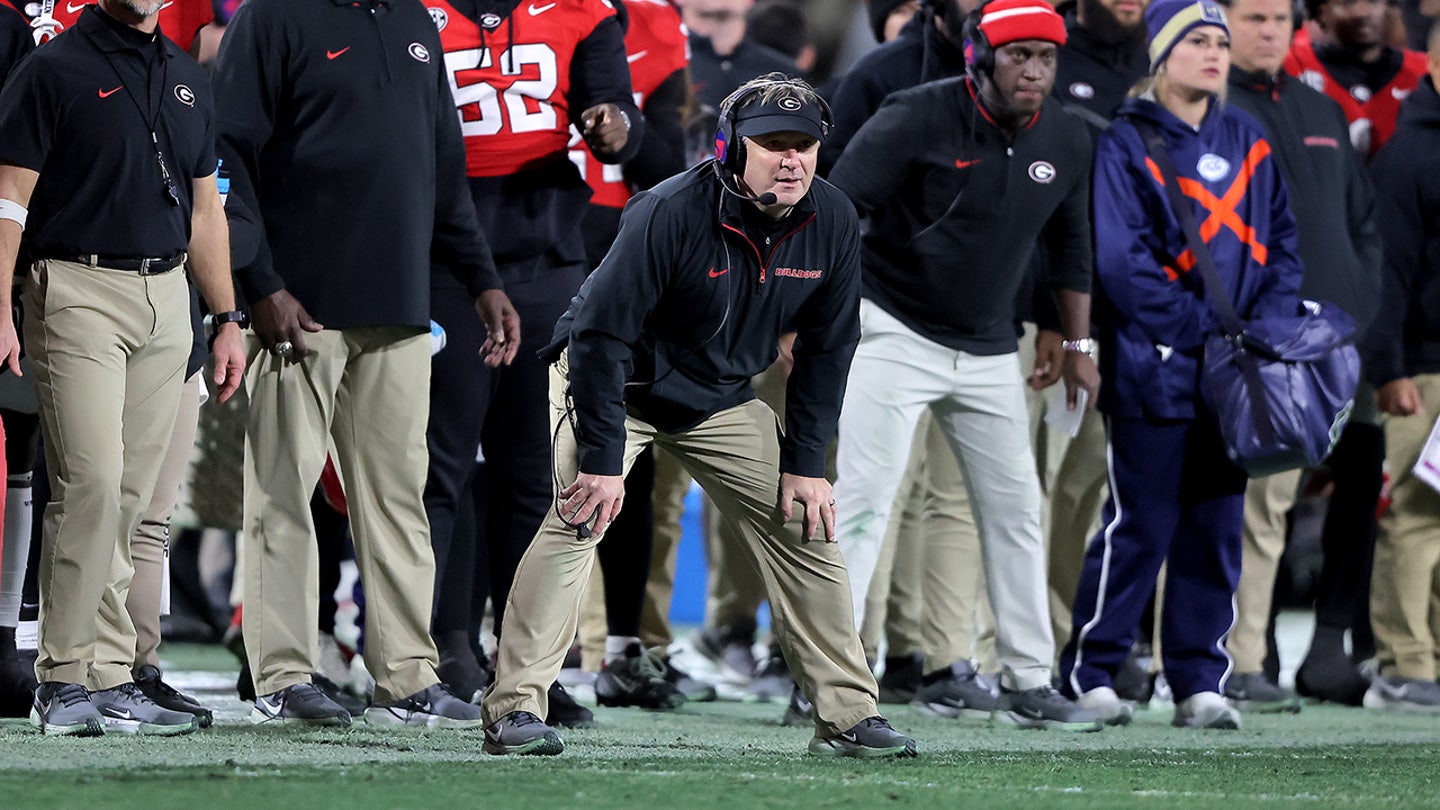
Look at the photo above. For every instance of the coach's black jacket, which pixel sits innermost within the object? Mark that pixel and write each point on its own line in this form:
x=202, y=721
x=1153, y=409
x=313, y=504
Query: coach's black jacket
x=688, y=306
x=955, y=211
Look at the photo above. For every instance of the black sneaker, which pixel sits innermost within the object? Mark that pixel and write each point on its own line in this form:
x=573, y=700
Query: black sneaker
x=149, y=679
x=1135, y=682
x=871, y=737
x=772, y=682
x=65, y=709
x=694, y=689
x=1043, y=707
x=127, y=710
x=350, y=703
x=730, y=648
x=902, y=678
x=565, y=712
x=638, y=679
x=301, y=704
x=459, y=668
x=521, y=733
x=17, y=678
x=1334, y=679
x=432, y=707
x=800, y=711
x=955, y=692
x=1253, y=692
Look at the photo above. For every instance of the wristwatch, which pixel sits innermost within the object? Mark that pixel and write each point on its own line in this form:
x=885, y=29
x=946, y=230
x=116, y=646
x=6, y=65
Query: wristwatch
x=233, y=316
x=1085, y=346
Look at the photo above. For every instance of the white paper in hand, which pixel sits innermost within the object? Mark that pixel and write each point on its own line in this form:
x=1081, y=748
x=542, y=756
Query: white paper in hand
x=1061, y=418
x=1427, y=468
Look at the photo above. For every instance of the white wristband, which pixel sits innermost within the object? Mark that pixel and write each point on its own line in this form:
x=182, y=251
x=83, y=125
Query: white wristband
x=13, y=211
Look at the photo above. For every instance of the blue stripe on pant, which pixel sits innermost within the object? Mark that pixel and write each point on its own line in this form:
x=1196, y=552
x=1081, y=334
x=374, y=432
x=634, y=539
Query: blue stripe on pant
x=1176, y=496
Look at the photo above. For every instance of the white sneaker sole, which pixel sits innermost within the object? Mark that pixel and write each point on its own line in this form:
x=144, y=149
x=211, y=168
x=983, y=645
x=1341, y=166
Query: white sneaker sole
x=376, y=716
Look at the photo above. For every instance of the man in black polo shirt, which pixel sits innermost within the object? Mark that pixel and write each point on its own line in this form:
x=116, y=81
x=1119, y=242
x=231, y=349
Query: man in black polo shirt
x=337, y=121
x=106, y=136
x=960, y=179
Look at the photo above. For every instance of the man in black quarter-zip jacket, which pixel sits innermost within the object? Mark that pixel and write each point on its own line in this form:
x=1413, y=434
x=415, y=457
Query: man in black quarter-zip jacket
x=710, y=268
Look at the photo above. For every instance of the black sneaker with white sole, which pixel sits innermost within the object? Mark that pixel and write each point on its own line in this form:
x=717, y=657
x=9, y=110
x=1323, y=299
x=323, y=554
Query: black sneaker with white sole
x=127, y=710
x=1043, y=708
x=565, y=712
x=302, y=704
x=151, y=681
x=955, y=692
x=773, y=681
x=432, y=707
x=637, y=679
x=799, y=711
x=870, y=738
x=521, y=733
x=65, y=709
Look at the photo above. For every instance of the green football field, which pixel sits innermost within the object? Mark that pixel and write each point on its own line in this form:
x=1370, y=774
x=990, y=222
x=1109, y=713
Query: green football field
x=731, y=755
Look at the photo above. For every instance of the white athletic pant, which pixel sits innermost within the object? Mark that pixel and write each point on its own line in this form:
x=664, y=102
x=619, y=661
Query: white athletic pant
x=979, y=403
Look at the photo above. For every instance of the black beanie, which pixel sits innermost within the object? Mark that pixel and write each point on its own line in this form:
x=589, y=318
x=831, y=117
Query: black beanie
x=879, y=13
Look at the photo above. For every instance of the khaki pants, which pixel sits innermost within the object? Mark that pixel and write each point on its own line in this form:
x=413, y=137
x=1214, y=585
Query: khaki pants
x=109, y=350
x=735, y=456
x=1267, y=500
x=668, y=501
x=151, y=544
x=1407, y=549
x=365, y=389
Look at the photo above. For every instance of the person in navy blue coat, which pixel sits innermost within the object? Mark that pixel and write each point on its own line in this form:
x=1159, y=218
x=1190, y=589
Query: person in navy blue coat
x=1175, y=496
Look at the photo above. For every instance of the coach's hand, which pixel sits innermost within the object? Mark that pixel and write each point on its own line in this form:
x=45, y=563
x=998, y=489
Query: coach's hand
x=279, y=318
x=815, y=494
x=597, y=497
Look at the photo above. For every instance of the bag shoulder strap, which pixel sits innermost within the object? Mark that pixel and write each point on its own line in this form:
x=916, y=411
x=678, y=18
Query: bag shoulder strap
x=1214, y=288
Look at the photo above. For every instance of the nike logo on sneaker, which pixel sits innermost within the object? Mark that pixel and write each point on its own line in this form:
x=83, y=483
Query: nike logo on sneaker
x=329, y=54
x=119, y=714
x=965, y=164
x=109, y=93
x=848, y=736
x=714, y=274
x=536, y=11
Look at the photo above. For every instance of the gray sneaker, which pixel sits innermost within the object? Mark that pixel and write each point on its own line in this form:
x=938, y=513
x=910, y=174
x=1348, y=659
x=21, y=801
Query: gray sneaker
x=729, y=648
x=302, y=704
x=955, y=692
x=65, y=709
x=1253, y=692
x=772, y=682
x=1206, y=710
x=521, y=733
x=1043, y=707
x=870, y=738
x=127, y=710
x=432, y=707
x=1394, y=694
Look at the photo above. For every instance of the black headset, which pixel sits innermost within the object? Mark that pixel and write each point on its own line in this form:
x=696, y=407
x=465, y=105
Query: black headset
x=979, y=55
x=728, y=153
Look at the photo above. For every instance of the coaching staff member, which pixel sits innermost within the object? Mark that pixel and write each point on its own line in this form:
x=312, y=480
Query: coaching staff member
x=709, y=269
x=107, y=137
x=961, y=179
x=337, y=120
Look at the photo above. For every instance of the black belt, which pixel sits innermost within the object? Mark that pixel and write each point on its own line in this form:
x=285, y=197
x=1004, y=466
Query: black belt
x=133, y=264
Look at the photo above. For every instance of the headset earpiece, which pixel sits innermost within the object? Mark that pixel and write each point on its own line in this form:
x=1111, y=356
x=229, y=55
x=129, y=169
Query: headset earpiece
x=729, y=152
x=979, y=56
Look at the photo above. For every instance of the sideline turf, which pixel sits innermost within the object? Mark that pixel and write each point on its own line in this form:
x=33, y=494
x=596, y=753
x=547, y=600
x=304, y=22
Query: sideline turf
x=736, y=755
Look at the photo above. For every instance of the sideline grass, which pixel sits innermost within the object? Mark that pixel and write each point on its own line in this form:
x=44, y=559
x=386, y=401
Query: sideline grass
x=736, y=755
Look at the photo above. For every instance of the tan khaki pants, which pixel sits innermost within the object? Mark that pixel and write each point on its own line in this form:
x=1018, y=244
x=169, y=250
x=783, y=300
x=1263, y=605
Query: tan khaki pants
x=1266, y=502
x=367, y=390
x=735, y=456
x=108, y=349
x=668, y=501
x=1407, y=549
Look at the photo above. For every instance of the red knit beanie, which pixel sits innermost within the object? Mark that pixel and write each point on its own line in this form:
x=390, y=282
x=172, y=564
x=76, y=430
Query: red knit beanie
x=1006, y=21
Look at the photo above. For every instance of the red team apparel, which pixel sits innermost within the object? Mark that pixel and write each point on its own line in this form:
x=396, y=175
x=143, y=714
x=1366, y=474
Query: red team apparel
x=511, y=81
x=655, y=46
x=1378, y=111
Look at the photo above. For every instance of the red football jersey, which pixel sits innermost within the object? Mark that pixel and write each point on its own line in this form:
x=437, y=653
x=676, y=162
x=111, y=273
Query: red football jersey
x=1372, y=117
x=511, y=79
x=181, y=20
x=655, y=46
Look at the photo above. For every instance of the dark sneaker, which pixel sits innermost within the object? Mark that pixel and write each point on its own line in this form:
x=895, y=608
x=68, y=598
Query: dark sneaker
x=521, y=733
x=1206, y=710
x=901, y=679
x=1253, y=692
x=459, y=667
x=1043, y=707
x=303, y=704
x=432, y=707
x=694, y=689
x=565, y=712
x=638, y=679
x=955, y=692
x=149, y=679
x=1413, y=695
x=127, y=710
x=871, y=737
x=1334, y=679
x=342, y=697
x=1135, y=682
x=65, y=709
x=1103, y=700
x=17, y=678
x=729, y=647
x=800, y=711
x=772, y=682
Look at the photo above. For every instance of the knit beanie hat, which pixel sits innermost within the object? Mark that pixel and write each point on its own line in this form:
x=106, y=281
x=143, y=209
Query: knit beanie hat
x=1006, y=21
x=879, y=13
x=1168, y=21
